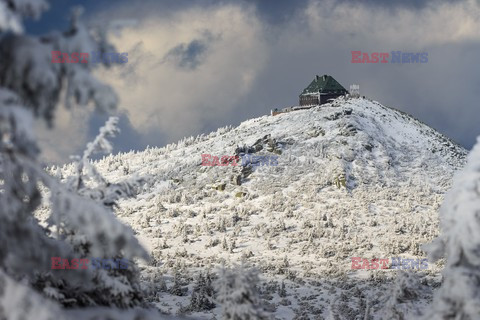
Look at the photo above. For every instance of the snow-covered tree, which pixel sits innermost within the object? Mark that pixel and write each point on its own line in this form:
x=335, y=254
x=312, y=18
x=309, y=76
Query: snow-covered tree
x=113, y=286
x=459, y=243
x=31, y=86
x=398, y=298
x=237, y=294
x=202, y=293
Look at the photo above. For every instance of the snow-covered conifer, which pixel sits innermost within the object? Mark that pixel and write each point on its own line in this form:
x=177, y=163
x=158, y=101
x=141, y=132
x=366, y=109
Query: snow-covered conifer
x=202, y=294
x=459, y=242
x=31, y=87
x=237, y=294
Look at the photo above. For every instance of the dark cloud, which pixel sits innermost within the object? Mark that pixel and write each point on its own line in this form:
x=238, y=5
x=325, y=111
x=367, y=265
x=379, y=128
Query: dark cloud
x=418, y=4
x=279, y=11
x=189, y=55
x=273, y=11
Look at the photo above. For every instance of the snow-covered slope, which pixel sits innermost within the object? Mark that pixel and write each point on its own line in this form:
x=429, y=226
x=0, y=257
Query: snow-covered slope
x=354, y=179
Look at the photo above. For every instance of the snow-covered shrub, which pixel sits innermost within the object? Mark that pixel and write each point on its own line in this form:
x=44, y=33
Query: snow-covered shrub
x=237, y=294
x=178, y=287
x=202, y=294
x=398, y=300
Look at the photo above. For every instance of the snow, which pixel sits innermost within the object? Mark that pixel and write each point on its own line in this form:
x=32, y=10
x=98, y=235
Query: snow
x=294, y=224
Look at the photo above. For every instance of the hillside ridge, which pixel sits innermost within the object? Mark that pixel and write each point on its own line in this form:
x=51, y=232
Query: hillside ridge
x=354, y=179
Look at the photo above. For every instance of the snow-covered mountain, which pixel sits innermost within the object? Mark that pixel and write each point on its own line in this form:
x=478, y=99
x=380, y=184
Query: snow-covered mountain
x=354, y=179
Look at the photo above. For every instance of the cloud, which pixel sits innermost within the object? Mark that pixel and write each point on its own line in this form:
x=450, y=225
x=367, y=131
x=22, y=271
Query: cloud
x=411, y=4
x=405, y=26
x=189, y=55
x=279, y=12
x=213, y=56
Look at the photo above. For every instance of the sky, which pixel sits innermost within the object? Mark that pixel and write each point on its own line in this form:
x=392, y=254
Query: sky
x=197, y=65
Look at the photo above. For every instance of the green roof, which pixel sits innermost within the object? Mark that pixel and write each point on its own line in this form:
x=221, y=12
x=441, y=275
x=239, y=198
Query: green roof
x=324, y=84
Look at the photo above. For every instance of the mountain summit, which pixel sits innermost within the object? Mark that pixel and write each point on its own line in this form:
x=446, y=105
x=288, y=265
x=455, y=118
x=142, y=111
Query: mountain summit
x=354, y=179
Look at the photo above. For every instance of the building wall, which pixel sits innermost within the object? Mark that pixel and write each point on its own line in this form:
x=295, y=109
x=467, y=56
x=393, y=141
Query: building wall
x=309, y=100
